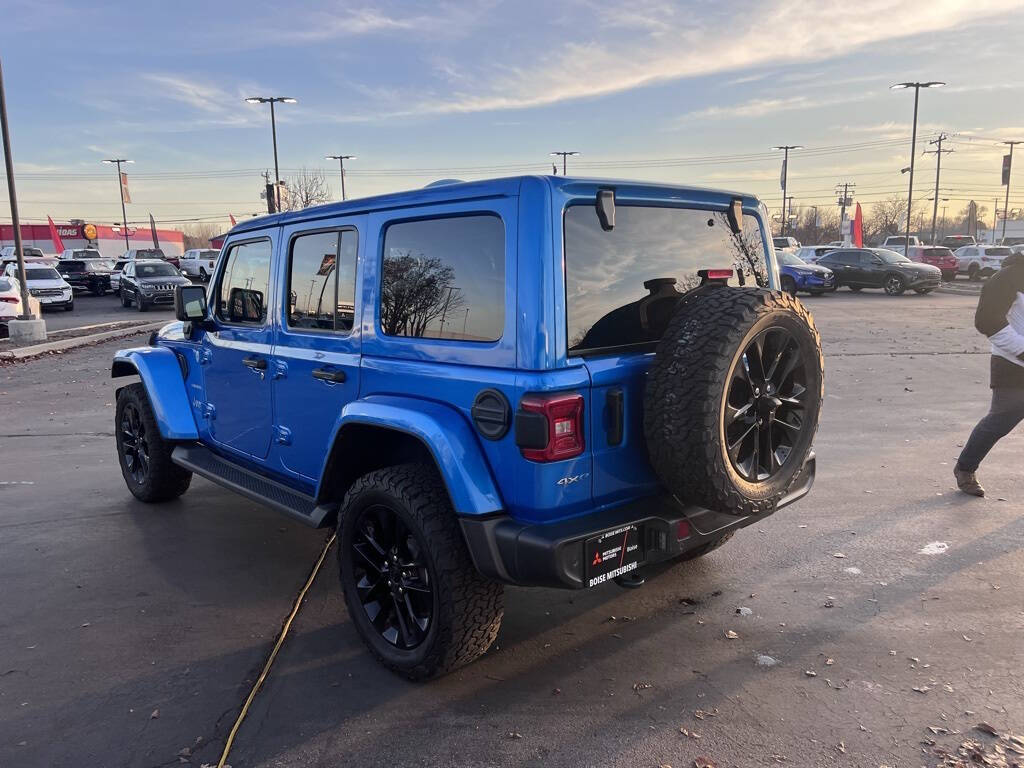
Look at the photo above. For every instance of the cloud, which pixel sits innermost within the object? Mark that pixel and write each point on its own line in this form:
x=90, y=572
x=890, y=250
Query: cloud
x=716, y=39
x=762, y=107
x=204, y=97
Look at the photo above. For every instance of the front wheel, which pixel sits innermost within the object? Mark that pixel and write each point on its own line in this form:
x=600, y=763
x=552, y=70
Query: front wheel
x=140, y=304
x=408, y=580
x=144, y=455
x=894, y=285
x=202, y=274
x=69, y=306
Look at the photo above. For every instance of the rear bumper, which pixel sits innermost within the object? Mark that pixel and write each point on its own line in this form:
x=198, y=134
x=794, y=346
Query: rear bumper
x=552, y=554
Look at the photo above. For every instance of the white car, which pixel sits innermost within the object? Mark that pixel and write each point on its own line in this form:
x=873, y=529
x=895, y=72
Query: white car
x=790, y=244
x=978, y=261
x=45, y=284
x=811, y=253
x=198, y=262
x=80, y=253
x=10, y=300
x=115, y=276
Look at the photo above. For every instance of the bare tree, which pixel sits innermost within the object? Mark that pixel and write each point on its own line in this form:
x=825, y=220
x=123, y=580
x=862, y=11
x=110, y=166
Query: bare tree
x=306, y=188
x=199, y=235
x=416, y=291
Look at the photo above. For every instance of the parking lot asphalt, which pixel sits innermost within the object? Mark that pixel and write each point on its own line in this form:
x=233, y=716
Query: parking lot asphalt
x=883, y=605
x=91, y=310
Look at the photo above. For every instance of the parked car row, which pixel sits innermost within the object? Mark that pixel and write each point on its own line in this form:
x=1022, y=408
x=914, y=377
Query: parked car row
x=859, y=268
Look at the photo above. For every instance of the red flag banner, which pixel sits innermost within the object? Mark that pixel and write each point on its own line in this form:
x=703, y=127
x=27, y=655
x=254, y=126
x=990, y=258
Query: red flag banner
x=233, y=222
x=124, y=188
x=858, y=228
x=58, y=244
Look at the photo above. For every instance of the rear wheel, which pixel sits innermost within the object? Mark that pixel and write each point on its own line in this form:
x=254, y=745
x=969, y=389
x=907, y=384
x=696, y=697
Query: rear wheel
x=144, y=455
x=894, y=285
x=410, y=586
x=949, y=275
x=202, y=274
x=974, y=273
x=732, y=398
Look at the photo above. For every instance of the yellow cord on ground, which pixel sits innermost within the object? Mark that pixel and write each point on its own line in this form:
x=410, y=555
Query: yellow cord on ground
x=273, y=654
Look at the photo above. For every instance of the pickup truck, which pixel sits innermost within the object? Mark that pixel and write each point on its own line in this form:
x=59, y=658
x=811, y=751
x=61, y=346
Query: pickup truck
x=898, y=243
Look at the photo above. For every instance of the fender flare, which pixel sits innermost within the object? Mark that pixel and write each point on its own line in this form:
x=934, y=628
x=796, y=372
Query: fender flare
x=445, y=433
x=160, y=371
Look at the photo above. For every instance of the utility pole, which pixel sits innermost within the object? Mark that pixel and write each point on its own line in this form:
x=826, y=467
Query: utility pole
x=341, y=162
x=564, y=155
x=814, y=223
x=844, y=200
x=26, y=308
x=938, y=151
x=785, y=178
x=995, y=219
x=120, y=186
x=1006, y=205
x=917, y=86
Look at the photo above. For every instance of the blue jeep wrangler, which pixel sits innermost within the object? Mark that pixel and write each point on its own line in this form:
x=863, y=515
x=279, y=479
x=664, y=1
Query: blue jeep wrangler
x=539, y=381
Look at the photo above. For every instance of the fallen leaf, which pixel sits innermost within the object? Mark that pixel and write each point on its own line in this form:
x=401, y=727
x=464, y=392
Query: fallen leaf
x=810, y=673
x=841, y=748
x=515, y=735
x=986, y=728
x=154, y=714
x=965, y=637
x=730, y=634
x=703, y=762
x=642, y=686
x=839, y=555
x=689, y=734
x=829, y=662
x=922, y=689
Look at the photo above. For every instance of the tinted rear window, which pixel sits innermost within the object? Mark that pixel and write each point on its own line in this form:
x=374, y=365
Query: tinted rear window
x=444, y=278
x=997, y=251
x=622, y=286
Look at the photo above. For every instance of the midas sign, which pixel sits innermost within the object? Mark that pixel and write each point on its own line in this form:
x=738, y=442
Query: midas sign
x=89, y=231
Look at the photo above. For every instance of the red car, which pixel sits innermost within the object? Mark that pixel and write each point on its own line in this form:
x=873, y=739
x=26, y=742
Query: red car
x=937, y=256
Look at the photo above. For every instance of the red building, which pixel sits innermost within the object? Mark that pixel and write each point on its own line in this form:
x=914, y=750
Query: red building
x=108, y=240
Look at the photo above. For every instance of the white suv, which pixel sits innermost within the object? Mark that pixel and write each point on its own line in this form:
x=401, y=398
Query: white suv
x=978, y=261
x=199, y=262
x=45, y=284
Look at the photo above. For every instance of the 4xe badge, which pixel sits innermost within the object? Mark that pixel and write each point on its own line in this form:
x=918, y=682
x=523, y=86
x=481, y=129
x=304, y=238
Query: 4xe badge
x=570, y=479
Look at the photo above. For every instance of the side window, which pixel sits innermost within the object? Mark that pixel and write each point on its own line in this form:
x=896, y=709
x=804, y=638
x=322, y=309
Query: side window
x=444, y=278
x=322, y=283
x=245, y=284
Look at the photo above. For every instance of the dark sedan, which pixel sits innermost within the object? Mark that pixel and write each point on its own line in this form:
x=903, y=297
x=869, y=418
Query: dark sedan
x=859, y=268
x=91, y=275
x=146, y=282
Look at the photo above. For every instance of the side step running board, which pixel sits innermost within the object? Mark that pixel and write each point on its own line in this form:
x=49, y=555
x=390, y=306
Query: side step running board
x=217, y=469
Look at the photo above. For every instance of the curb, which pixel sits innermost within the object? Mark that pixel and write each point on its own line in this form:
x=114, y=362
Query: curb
x=78, y=341
x=959, y=291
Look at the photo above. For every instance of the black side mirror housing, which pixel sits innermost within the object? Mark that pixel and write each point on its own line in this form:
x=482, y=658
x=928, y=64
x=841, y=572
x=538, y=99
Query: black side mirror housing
x=190, y=303
x=735, y=215
x=606, y=209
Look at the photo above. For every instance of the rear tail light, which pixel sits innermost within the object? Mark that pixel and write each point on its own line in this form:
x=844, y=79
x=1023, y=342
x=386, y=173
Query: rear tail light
x=10, y=299
x=550, y=427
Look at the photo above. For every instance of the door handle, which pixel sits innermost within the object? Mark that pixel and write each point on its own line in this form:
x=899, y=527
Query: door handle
x=256, y=363
x=326, y=374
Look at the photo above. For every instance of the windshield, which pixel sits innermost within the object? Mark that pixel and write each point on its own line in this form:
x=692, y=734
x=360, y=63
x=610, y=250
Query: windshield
x=95, y=265
x=781, y=242
x=622, y=286
x=89, y=254
x=149, y=253
x=31, y=252
x=155, y=270
x=890, y=257
x=790, y=260
x=939, y=252
x=41, y=273
x=5, y=285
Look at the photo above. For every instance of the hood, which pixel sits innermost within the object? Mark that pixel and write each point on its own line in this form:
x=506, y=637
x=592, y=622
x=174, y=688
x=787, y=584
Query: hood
x=815, y=269
x=48, y=283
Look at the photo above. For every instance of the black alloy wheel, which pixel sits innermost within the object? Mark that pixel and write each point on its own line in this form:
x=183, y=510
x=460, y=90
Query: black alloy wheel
x=894, y=285
x=764, y=413
x=392, y=578
x=135, y=444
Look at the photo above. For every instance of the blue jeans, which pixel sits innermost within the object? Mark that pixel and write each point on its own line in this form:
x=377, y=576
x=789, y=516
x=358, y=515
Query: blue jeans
x=1006, y=412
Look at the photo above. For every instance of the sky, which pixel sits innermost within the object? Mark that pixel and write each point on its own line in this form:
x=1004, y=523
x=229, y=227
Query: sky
x=694, y=92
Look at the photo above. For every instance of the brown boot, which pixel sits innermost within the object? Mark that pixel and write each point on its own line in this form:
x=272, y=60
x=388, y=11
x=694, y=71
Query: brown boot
x=968, y=482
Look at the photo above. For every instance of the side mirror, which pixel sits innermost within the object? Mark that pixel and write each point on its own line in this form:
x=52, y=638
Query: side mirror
x=245, y=305
x=190, y=303
x=606, y=209
x=735, y=215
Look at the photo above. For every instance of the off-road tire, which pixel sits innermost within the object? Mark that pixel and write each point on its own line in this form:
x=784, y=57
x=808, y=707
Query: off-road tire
x=688, y=386
x=894, y=284
x=165, y=480
x=467, y=608
x=704, y=549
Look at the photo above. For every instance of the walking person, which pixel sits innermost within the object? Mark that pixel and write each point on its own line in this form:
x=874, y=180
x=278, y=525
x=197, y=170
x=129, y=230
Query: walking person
x=1000, y=316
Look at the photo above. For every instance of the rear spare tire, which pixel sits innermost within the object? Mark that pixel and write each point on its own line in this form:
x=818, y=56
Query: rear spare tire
x=732, y=398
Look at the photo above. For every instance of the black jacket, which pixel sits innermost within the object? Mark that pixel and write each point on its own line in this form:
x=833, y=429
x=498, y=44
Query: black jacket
x=997, y=297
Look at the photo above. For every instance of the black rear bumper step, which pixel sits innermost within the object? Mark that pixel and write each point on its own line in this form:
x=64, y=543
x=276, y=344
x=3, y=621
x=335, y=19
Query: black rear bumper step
x=278, y=496
x=552, y=554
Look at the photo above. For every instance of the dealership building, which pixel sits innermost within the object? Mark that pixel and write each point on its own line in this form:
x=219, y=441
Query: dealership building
x=81, y=234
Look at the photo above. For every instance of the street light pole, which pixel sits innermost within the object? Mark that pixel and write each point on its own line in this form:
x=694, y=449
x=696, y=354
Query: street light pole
x=271, y=100
x=785, y=179
x=26, y=308
x=341, y=162
x=913, y=143
x=1006, y=205
x=564, y=155
x=120, y=186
